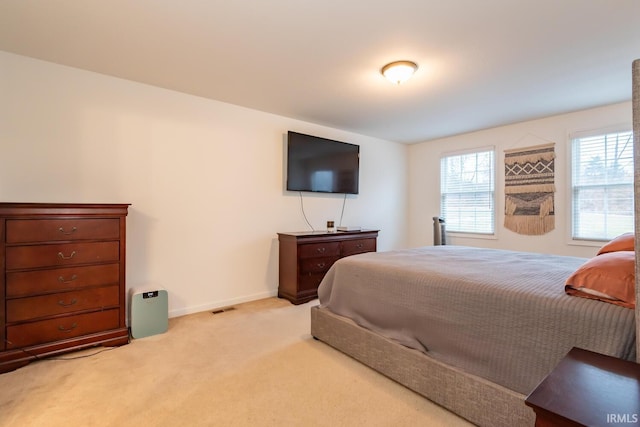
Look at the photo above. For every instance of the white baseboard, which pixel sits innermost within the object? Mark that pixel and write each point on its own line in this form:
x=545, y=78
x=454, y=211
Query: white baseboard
x=221, y=303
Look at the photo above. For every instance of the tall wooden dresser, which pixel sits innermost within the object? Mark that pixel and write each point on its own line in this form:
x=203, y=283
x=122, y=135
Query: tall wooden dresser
x=305, y=257
x=63, y=279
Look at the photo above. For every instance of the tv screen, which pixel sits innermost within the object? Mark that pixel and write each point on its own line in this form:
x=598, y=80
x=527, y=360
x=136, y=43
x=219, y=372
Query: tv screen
x=321, y=165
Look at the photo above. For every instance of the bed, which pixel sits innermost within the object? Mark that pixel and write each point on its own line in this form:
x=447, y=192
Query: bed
x=473, y=359
x=499, y=319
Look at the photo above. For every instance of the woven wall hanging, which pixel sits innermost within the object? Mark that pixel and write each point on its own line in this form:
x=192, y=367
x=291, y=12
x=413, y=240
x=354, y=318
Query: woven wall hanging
x=529, y=189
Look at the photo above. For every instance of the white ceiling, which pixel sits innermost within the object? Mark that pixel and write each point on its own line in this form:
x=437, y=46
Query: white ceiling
x=483, y=63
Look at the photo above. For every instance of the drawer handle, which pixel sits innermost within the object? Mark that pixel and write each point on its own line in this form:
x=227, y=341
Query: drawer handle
x=63, y=280
x=321, y=264
x=73, y=230
x=61, y=255
x=321, y=250
x=359, y=246
x=64, y=304
x=63, y=329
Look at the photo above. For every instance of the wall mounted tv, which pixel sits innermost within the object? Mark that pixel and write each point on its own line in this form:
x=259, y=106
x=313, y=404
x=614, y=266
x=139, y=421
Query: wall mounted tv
x=321, y=165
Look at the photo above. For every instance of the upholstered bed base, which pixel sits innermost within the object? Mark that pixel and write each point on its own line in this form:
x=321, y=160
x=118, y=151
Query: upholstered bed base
x=473, y=398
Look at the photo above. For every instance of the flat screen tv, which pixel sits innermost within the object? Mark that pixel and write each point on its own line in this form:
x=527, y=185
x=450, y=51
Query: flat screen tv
x=321, y=165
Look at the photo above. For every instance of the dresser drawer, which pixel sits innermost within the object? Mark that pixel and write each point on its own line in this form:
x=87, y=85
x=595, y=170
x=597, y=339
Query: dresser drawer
x=23, y=257
x=44, y=230
x=316, y=265
x=313, y=250
x=352, y=247
x=310, y=281
x=21, y=309
x=62, y=328
x=37, y=282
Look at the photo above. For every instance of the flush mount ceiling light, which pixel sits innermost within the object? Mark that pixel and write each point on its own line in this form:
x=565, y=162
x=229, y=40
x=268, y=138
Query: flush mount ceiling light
x=399, y=71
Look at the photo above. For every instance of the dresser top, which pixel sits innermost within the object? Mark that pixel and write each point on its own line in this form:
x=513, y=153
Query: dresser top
x=14, y=209
x=57, y=205
x=325, y=233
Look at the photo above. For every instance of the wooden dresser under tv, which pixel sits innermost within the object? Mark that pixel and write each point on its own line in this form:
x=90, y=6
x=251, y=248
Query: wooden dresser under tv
x=63, y=279
x=305, y=257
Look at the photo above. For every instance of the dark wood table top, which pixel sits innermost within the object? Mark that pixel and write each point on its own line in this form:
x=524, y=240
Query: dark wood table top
x=590, y=389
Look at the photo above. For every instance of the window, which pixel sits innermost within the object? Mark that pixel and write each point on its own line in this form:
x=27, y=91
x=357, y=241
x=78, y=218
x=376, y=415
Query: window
x=602, y=185
x=467, y=192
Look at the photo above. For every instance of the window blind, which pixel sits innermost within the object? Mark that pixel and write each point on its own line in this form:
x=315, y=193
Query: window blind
x=467, y=201
x=602, y=185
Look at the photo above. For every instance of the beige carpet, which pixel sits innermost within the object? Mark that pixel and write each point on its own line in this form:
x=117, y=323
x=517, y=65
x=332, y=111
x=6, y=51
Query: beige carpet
x=256, y=365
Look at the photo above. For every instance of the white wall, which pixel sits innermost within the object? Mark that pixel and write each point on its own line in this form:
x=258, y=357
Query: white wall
x=424, y=179
x=205, y=178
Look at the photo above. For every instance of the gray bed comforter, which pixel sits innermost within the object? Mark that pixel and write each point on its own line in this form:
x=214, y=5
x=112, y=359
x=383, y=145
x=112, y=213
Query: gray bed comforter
x=501, y=315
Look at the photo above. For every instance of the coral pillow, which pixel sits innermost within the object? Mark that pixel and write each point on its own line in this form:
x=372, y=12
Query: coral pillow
x=608, y=277
x=624, y=242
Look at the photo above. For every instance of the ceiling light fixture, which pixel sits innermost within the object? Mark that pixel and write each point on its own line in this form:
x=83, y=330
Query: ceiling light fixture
x=399, y=71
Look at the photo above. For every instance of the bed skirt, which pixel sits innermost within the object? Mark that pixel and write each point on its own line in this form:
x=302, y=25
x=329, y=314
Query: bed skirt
x=480, y=401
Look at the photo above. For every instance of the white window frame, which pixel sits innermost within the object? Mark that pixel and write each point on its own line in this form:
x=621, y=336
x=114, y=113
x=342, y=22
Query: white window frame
x=571, y=137
x=482, y=235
